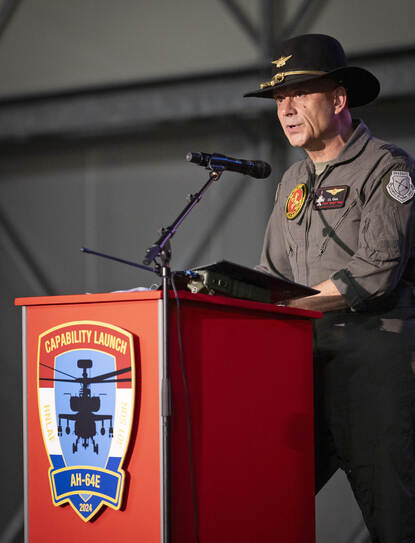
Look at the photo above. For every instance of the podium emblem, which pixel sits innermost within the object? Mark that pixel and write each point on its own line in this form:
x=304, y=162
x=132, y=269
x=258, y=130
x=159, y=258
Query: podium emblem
x=86, y=405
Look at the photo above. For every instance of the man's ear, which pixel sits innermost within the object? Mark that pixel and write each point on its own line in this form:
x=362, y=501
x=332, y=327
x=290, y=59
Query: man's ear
x=339, y=99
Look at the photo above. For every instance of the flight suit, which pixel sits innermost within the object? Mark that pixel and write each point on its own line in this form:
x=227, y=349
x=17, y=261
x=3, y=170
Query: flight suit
x=355, y=224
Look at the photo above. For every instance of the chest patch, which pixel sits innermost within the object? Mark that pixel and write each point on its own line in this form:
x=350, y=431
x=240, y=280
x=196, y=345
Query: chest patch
x=330, y=197
x=295, y=201
x=400, y=186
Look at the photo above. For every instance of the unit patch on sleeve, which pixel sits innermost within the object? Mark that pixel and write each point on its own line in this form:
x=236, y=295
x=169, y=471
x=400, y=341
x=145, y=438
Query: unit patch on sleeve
x=330, y=197
x=400, y=186
x=295, y=201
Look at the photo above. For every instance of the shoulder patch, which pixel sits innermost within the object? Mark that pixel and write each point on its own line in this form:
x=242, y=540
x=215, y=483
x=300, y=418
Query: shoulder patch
x=295, y=201
x=400, y=186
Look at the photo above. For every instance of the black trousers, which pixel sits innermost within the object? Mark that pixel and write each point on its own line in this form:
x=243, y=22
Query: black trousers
x=365, y=416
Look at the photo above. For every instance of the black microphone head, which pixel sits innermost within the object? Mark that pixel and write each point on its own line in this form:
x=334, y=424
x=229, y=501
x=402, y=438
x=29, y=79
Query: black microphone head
x=254, y=168
x=198, y=158
x=261, y=170
x=192, y=157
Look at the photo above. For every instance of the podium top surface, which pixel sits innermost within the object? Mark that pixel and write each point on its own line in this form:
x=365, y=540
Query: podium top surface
x=157, y=295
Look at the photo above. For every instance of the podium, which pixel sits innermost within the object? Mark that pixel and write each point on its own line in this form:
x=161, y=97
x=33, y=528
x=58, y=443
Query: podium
x=249, y=403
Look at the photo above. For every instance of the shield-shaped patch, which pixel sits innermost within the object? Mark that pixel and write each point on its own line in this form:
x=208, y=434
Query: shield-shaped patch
x=400, y=186
x=86, y=405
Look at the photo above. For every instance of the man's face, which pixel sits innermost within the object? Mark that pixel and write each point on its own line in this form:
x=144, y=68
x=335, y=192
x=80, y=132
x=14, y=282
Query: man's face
x=307, y=112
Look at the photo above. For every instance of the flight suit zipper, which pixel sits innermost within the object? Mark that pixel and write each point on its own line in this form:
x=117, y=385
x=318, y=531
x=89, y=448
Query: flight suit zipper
x=309, y=212
x=309, y=207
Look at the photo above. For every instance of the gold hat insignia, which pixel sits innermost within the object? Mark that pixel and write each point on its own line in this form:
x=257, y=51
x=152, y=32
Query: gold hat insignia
x=334, y=191
x=282, y=61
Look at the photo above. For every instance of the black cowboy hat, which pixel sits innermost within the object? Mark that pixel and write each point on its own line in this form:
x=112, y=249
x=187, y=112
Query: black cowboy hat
x=314, y=56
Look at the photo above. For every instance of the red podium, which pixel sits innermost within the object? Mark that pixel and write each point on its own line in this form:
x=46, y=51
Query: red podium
x=249, y=373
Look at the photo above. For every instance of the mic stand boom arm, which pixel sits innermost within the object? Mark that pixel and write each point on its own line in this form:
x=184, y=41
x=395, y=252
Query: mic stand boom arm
x=161, y=249
x=159, y=246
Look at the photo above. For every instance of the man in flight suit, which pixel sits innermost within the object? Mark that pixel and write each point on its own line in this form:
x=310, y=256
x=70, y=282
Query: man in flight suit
x=344, y=222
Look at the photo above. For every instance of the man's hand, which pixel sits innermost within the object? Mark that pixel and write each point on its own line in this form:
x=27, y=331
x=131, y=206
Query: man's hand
x=328, y=299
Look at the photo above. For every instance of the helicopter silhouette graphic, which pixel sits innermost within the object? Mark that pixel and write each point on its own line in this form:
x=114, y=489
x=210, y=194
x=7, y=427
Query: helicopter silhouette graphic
x=85, y=406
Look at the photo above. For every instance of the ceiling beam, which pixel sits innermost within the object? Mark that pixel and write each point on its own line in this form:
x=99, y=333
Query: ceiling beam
x=134, y=107
x=7, y=11
x=243, y=19
x=302, y=19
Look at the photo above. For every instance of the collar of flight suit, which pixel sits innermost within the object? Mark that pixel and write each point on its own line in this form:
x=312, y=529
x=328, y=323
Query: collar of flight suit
x=354, y=146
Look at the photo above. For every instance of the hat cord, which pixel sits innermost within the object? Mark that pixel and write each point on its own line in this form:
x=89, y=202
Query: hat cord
x=280, y=76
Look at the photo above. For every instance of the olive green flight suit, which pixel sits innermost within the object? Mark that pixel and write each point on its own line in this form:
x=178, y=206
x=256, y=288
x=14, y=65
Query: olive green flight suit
x=357, y=227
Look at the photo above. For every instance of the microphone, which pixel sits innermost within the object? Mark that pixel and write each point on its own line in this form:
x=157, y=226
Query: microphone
x=254, y=168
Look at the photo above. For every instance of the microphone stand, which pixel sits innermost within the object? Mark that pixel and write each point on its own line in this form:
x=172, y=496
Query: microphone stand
x=161, y=250
x=122, y=260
